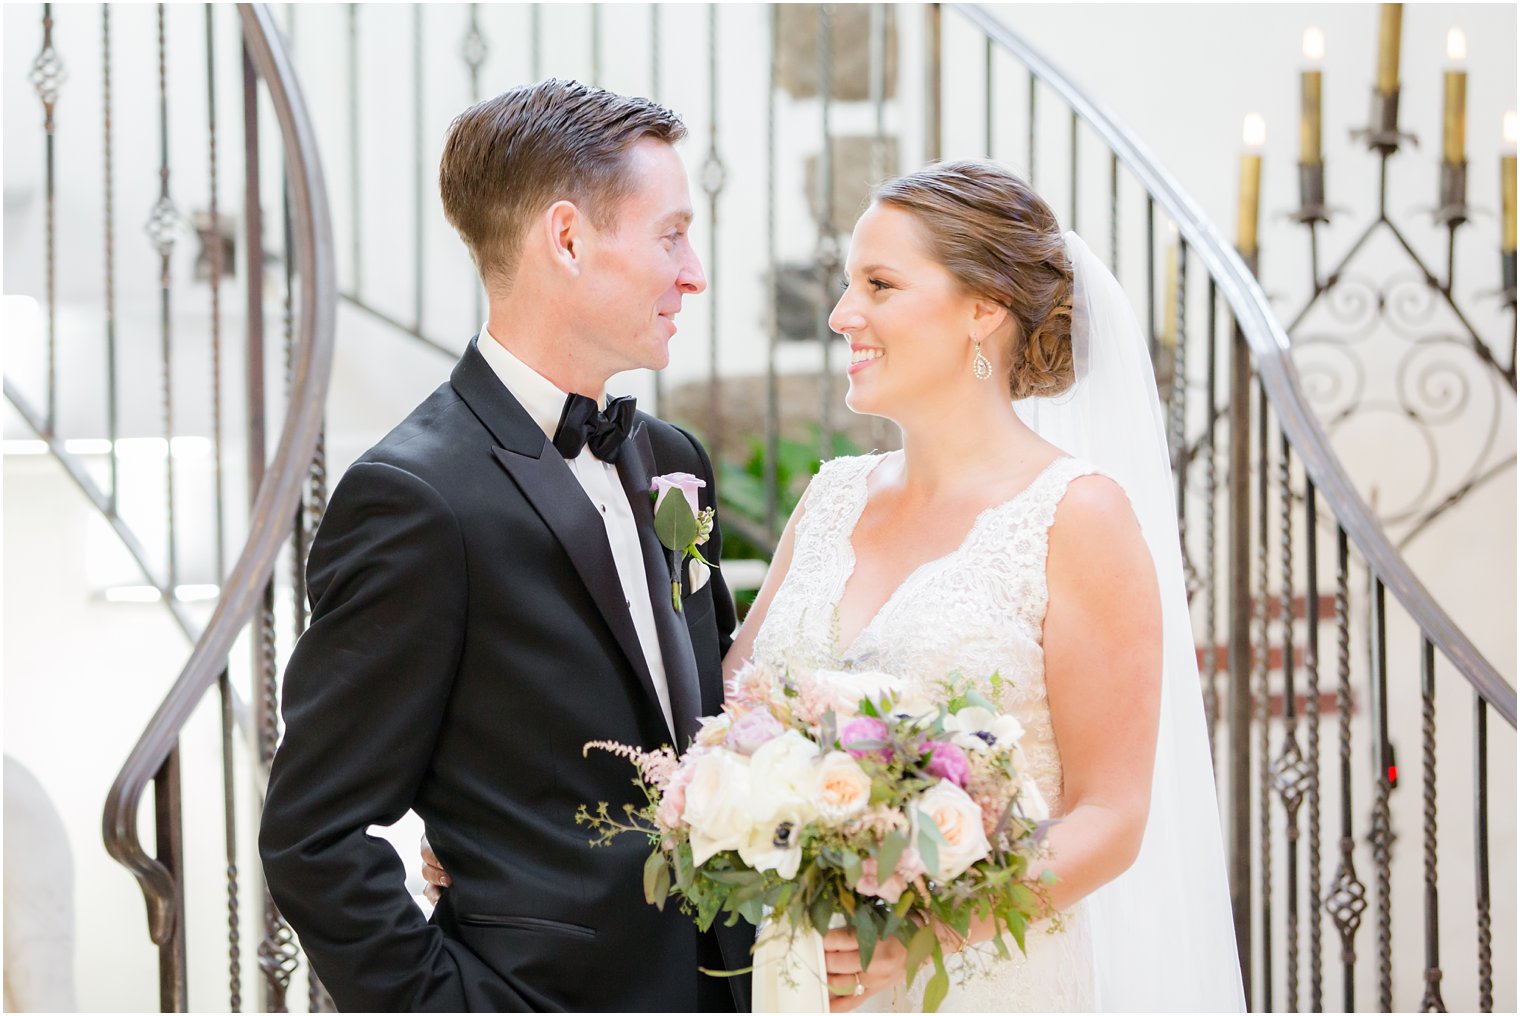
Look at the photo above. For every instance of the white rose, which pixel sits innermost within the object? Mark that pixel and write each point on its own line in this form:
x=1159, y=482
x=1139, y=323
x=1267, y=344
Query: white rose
x=781, y=801
x=717, y=800
x=845, y=688
x=967, y=727
x=959, y=821
x=781, y=774
x=843, y=790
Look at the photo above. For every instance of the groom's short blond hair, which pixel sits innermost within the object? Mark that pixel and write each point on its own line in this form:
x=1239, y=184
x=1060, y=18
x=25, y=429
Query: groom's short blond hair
x=508, y=158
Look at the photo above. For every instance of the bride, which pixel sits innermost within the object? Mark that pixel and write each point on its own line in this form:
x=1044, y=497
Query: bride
x=1026, y=528
x=1002, y=349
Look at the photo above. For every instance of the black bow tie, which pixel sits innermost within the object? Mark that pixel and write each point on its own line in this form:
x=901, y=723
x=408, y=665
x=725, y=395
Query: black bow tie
x=582, y=425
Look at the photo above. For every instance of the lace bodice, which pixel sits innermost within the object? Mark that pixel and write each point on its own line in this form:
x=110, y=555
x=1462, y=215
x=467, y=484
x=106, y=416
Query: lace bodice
x=976, y=611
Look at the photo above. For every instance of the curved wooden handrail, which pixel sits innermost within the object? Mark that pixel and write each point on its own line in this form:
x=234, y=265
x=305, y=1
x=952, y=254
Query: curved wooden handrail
x=1279, y=375
x=274, y=509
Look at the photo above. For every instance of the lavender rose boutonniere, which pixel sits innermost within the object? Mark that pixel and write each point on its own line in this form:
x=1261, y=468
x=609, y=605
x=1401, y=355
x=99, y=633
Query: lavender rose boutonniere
x=682, y=527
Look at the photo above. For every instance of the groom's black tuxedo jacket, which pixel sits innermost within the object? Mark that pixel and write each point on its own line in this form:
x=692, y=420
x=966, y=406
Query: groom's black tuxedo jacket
x=468, y=636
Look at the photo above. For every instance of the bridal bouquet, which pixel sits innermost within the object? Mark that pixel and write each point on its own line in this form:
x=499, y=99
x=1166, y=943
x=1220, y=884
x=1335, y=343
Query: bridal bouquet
x=838, y=799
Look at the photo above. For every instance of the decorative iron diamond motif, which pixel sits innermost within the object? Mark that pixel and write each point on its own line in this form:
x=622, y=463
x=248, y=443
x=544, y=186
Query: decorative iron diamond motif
x=713, y=174
x=163, y=223
x=1291, y=775
x=48, y=75
x=474, y=49
x=1346, y=900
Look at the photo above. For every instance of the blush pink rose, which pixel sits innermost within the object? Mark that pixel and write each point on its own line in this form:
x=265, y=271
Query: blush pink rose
x=909, y=867
x=686, y=483
x=752, y=730
x=673, y=801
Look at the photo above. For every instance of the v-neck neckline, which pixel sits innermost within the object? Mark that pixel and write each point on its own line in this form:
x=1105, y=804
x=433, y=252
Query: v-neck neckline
x=864, y=479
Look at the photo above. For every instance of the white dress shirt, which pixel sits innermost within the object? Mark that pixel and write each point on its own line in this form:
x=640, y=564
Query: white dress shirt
x=546, y=403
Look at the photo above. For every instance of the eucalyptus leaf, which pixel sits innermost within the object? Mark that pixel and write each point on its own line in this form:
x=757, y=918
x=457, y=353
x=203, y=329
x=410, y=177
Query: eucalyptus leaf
x=938, y=986
x=865, y=933
x=820, y=913
x=652, y=869
x=922, y=944
x=890, y=853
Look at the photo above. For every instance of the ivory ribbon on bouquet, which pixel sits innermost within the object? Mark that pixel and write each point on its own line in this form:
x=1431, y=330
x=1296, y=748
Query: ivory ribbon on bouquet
x=789, y=969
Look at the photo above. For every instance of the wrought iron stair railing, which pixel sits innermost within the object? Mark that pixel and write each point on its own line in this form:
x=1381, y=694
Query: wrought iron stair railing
x=1283, y=552
x=280, y=447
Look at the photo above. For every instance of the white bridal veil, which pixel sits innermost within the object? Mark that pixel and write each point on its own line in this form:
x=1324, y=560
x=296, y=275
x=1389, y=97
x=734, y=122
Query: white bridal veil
x=1163, y=932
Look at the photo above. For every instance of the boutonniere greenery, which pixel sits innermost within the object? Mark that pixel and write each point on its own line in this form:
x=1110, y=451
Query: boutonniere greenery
x=682, y=527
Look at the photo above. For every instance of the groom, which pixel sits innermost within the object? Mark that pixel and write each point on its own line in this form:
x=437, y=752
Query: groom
x=488, y=594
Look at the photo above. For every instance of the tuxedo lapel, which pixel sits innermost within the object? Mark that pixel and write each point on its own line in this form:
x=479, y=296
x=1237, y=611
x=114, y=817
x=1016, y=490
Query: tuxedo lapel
x=545, y=479
x=636, y=469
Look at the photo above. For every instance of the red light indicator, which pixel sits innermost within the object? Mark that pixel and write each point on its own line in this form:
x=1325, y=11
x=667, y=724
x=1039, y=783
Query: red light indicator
x=1393, y=774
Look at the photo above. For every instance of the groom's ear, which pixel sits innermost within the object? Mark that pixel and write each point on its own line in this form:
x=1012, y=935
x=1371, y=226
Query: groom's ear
x=564, y=232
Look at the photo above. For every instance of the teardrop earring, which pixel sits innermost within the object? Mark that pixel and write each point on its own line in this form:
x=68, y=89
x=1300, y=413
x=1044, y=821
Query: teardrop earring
x=980, y=365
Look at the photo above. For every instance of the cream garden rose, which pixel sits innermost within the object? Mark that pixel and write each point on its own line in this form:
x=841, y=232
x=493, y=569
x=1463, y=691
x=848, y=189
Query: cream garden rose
x=959, y=821
x=844, y=789
x=716, y=799
x=843, y=689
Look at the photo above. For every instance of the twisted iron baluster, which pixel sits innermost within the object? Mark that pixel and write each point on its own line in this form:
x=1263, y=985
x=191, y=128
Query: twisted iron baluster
x=988, y=53
x=654, y=93
x=1345, y=897
x=1480, y=848
x=276, y=952
x=47, y=77
x=224, y=684
x=1382, y=822
x=828, y=244
x=773, y=300
x=474, y=50
x=1033, y=84
x=161, y=227
x=1289, y=775
x=1113, y=217
x=1311, y=723
x=713, y=174
x=1431, y=1002
x=1263, y=697
x=1075, y=123
x=1210, y=534
x=278, y=957
x=1177, y=409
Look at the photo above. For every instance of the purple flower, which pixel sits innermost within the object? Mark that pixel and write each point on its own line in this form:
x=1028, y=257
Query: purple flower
x=752, y=730
x=865, y=728
x=948, y=762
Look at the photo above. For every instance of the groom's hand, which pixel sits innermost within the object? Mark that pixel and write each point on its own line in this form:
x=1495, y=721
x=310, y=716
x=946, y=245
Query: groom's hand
x=432, y=873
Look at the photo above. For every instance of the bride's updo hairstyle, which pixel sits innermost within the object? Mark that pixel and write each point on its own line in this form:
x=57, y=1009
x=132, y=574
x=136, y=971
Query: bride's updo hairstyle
x=1001, y=241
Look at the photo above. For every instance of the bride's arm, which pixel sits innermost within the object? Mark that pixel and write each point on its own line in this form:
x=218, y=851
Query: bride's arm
x=744, y=642
x=1103, y=655
x=1102, y=642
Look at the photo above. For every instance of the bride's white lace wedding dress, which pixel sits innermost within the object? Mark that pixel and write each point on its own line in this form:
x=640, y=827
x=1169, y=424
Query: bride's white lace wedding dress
x=978, y=610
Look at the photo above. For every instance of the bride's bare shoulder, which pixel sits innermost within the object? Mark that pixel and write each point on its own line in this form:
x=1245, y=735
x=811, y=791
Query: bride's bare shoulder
x=1095, y=525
